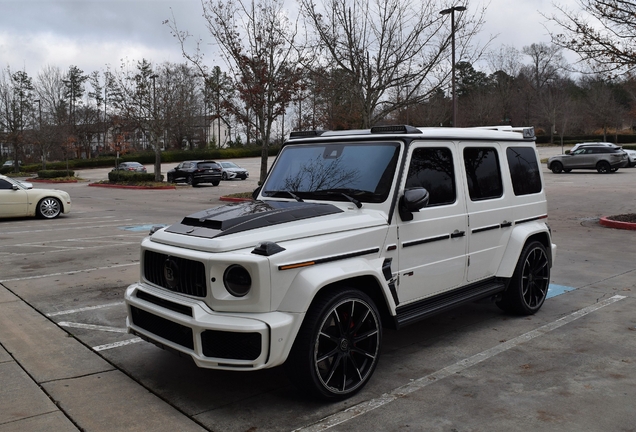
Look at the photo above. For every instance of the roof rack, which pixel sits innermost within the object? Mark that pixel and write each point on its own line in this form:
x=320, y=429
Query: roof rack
x=528, y=132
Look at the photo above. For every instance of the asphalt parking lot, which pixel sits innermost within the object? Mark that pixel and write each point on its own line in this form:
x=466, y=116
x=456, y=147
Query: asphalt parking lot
x=66, y=362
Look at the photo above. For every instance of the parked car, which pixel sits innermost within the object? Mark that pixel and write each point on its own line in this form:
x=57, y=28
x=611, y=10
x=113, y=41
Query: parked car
x=595, y=144
x=17, y=199
x=603, y=158
x=195, y=172
x=130, y=167
x=232, y=170
x=351, y=232
x=631, y=157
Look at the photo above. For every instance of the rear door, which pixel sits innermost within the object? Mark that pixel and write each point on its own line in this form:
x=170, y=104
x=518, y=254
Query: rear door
x=432, y=246
x=489, y=211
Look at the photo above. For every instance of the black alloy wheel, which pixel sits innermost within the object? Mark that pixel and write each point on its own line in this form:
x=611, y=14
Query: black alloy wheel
x=529, y=284
x=556, y=167
x=338, y=346
x=603, y=167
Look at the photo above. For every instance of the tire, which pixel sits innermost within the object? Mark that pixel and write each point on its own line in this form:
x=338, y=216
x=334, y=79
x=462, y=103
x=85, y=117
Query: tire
x=215, y=183
x=556, y=167
x=49, y=208
x=170, y=178
x=603, y=167
x=189, y=179
x=338, y=345
x=529, y=284
x=224, y=177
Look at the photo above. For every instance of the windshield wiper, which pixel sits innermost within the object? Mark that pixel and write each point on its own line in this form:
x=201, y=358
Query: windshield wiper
x=344, y=193
x=290, y=193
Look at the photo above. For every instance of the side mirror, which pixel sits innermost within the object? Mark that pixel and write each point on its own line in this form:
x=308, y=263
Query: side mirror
x=15, y=187
x=412, y=201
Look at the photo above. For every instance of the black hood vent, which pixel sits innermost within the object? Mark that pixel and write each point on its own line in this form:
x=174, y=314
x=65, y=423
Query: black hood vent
x=238, y=217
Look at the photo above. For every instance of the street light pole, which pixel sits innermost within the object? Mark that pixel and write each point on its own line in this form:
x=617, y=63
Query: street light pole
x=451, y=11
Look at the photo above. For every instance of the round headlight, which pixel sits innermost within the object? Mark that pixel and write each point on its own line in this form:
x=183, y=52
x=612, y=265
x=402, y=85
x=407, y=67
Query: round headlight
x=237, y=280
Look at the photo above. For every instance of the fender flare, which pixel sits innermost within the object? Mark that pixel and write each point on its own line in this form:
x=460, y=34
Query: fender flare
x=309, y=281
x=518, y=239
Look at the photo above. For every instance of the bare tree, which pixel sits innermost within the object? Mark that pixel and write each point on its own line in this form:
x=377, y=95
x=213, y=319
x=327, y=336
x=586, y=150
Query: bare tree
x=602, y=33
x=388, y=46
x=257, y=43
x=16, y=107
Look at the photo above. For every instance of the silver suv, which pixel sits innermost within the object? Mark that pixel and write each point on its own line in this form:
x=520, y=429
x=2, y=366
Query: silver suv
x=601, y=157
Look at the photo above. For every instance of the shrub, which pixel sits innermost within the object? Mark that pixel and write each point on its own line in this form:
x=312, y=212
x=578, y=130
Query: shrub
x=46, y=174
x=131, y=177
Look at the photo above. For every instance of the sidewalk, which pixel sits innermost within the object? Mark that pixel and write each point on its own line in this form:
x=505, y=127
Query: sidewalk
x=49, y=381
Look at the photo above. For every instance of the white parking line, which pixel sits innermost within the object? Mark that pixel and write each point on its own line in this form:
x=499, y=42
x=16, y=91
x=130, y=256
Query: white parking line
x=116, y=344
x=420, y=383
x=92, y=327
x=68, y=229
x=88, y=308
x=72, y=272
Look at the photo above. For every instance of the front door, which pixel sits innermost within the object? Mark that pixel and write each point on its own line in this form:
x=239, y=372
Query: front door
x=13, y=203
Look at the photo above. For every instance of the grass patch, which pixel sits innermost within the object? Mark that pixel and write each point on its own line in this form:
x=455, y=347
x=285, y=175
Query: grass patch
x=240, y=195
x=137, y=183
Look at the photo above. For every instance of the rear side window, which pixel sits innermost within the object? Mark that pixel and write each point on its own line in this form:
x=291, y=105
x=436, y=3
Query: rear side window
x=207, y=165
x=524, y=170
x=483, y=173
x=432, y=168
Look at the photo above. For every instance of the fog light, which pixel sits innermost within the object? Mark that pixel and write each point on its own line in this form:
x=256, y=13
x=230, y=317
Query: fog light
x=237, y=280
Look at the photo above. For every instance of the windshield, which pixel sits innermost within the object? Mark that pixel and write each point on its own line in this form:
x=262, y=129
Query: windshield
x=333, y=171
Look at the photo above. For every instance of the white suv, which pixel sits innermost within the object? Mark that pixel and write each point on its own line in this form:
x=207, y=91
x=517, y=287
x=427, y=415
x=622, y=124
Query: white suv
x=351, y=232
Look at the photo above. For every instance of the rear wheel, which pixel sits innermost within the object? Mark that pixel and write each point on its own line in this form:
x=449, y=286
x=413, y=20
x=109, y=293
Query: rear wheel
x=338, y=345
x=529, y=283
x=215, y=183
x=49, y=208
x=556, y=167
x=189, y=179
x=603, y=167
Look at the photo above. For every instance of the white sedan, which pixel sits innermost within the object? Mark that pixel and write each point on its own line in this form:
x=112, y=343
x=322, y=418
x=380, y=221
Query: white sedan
x=18, y=199
x=631, y=156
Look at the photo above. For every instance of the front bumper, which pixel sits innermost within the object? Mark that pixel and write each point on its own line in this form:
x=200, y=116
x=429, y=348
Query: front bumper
x=229, y=341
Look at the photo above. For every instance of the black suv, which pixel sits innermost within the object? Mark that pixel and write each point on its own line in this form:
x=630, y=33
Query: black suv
x=195, y=172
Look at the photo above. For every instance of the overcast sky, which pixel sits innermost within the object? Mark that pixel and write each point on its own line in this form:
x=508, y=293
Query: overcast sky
x=94, y=33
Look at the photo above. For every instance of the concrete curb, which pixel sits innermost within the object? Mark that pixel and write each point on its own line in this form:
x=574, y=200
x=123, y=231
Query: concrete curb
x=617, y=224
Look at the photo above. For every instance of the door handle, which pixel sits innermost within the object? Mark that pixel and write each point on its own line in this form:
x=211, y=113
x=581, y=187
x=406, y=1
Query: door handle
x=506, y=224
x=458, y=233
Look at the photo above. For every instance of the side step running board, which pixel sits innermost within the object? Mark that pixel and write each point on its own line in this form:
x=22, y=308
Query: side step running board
x=413, y=312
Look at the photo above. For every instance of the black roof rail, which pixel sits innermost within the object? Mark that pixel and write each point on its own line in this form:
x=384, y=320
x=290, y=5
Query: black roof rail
x=394, y=129
x=306, y=134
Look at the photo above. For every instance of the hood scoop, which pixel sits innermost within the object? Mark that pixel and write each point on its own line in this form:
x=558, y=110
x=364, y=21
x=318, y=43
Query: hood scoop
x=238, y=217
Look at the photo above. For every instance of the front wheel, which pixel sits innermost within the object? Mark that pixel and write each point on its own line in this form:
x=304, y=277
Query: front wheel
x=556, y=167
x=49, y=208
x=529, y=284
x=338, y=345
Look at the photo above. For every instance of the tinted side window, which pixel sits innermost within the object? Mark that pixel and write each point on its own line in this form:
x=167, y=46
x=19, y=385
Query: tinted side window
x=432, y=168
x=5, y=184
x=483, y=173
x=524, y=170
